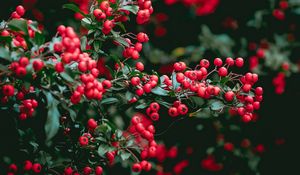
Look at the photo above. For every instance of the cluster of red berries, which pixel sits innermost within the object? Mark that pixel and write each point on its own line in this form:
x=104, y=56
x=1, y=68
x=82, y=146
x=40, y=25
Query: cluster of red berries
x=143, y=130
x=98, y=170
x=279, y=13
x=18, y=13
x=178, y=109
x=144, y=85
x=145, y=10
x=27, y=167
x=195, y=81
x=27, y=108
x=279, y=83
x=132, y=51
x=152, y=111
x=70, y=46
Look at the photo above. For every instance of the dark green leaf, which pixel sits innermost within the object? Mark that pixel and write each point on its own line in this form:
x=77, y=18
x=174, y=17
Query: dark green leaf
x=74, y=8
x=6, y=39
x=4, y=53
x=52, y=122
x=18, y=25
x=160, y=91
x=109, y=101
x=122, y=41
x=39, y=38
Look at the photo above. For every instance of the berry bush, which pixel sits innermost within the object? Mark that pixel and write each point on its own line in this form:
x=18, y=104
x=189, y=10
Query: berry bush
x=93, y=92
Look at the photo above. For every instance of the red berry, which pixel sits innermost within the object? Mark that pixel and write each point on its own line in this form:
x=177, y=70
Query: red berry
x=37, y=168
x=142, y=37
x=229, y=61
x=68, y=171
x=87, y=170
x=139, y=91
x=229, y=96
x=13, y=168
x=180, y=77
x=139, y=66
x=239, y=62
x=152, y=151
x=98, y=170
x=182, y=109
x=59, y=67
x=23, y=61
x=20, y=10
x=228, y=146
x=147, y=88
x=38, y=65
x=218, y=62
x=106, y=84
x=173, y=112
x=83, y=141
x=8, y=90
x=259, y=91
x=246, y=87
x=222, y=72
x=154, y=106
x=136, y=167
x=104, y=5
x=92, y=124
x=154, y=116
x=27, y=165
x=204, y=63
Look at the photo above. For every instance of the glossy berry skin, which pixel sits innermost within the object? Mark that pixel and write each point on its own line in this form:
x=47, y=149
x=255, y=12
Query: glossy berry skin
x=218, y=62
x=37, y=168
x=139, y=66
x=173, y=112
x=229, y=96
x=222, y=72
x=92, y=124
x=20, y=10
x=83, y=141
x=239, y=62
x=204, y=63
x=27, y=165
x=182, y=109
x=98, y=170
x=136, y=167
x=8, y=90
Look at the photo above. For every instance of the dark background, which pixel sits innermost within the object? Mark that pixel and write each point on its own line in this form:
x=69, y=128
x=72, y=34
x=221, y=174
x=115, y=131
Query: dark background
x=279, y=113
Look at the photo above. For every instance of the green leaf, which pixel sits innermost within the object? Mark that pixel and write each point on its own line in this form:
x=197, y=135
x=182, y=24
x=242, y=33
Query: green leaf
x=74, y=8
x=39, y=39
x=103, y=149
x=67, y=77
x=141, y=106
x=160, y=91
x=216, y=105
x=83, y=42
x=53, y=115
x=122, y=41
x=109, y=101
x=4, y=53
x=18, y=25
x=6, y=39
x=125, y=155
x=132, y=8
x=175, y=84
